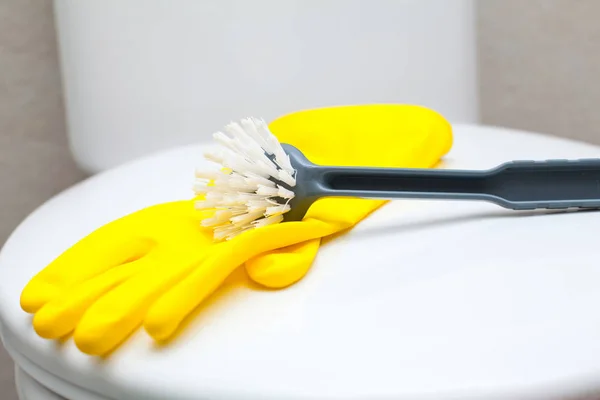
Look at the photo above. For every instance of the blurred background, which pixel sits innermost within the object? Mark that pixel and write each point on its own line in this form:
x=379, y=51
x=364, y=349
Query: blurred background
x=538, y=63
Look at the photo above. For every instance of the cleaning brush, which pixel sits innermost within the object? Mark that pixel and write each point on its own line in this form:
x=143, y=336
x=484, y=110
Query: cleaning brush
x=263, y=182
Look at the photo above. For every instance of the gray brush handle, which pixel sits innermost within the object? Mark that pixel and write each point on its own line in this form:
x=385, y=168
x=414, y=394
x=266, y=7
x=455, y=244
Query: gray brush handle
x=517, y=185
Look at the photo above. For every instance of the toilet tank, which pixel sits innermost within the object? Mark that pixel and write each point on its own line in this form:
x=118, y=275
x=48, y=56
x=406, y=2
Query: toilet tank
x=144, y=75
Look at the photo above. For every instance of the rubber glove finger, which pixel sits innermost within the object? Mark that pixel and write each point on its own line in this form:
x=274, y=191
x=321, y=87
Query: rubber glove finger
x=171, y=309
x=61, y=315
x=283, y=267
x=96, y=253
x=111, y=319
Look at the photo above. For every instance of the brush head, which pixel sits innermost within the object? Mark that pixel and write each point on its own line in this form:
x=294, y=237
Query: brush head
x=254, y=185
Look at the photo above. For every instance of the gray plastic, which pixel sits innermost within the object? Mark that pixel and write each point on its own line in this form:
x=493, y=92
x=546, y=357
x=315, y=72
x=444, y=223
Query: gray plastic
x=516, y=185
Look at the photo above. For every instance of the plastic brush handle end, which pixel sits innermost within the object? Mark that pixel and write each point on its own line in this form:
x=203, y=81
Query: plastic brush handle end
x=518, y=185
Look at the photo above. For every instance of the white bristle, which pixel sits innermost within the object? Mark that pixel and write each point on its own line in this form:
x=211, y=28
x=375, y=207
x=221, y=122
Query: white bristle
x=286, y=177
x=274, y=219
x=220, y=217
x=255, y=184
x=275, y=210
x=208, y=175
x=214, y=157
x=223, y=231
x=256, y=180
x=250, y=126
x=283, y=160
x=267, y=191
x=204, y=204
x=200, y=187
x=247, y=218
x=284, y=193
x=259, y=202
x=269, y=169
x=214, y=196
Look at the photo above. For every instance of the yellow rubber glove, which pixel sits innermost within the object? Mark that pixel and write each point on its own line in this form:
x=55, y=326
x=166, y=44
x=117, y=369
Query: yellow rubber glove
x=156, y=265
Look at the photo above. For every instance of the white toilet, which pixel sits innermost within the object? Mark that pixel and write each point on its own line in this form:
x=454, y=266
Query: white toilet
x=424, y=300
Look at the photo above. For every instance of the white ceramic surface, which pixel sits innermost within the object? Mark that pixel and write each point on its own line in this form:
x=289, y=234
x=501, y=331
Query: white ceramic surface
x=30, y=389
x=143, y=75
x=423, y=300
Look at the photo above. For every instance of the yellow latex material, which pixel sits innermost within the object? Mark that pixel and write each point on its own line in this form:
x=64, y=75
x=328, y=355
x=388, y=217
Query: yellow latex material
x=155, y=266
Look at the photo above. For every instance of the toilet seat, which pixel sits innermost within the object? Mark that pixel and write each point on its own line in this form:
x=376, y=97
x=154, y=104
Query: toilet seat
x=30, y=389
x=447, y=299
x=35, y=383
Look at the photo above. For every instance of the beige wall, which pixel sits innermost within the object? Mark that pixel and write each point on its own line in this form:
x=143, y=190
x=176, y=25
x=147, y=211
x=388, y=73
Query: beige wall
x=539, y=70
x=34, y=160
x=540, y=65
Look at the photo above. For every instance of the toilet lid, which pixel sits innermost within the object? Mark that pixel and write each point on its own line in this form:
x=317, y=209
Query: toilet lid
x=424, y=299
